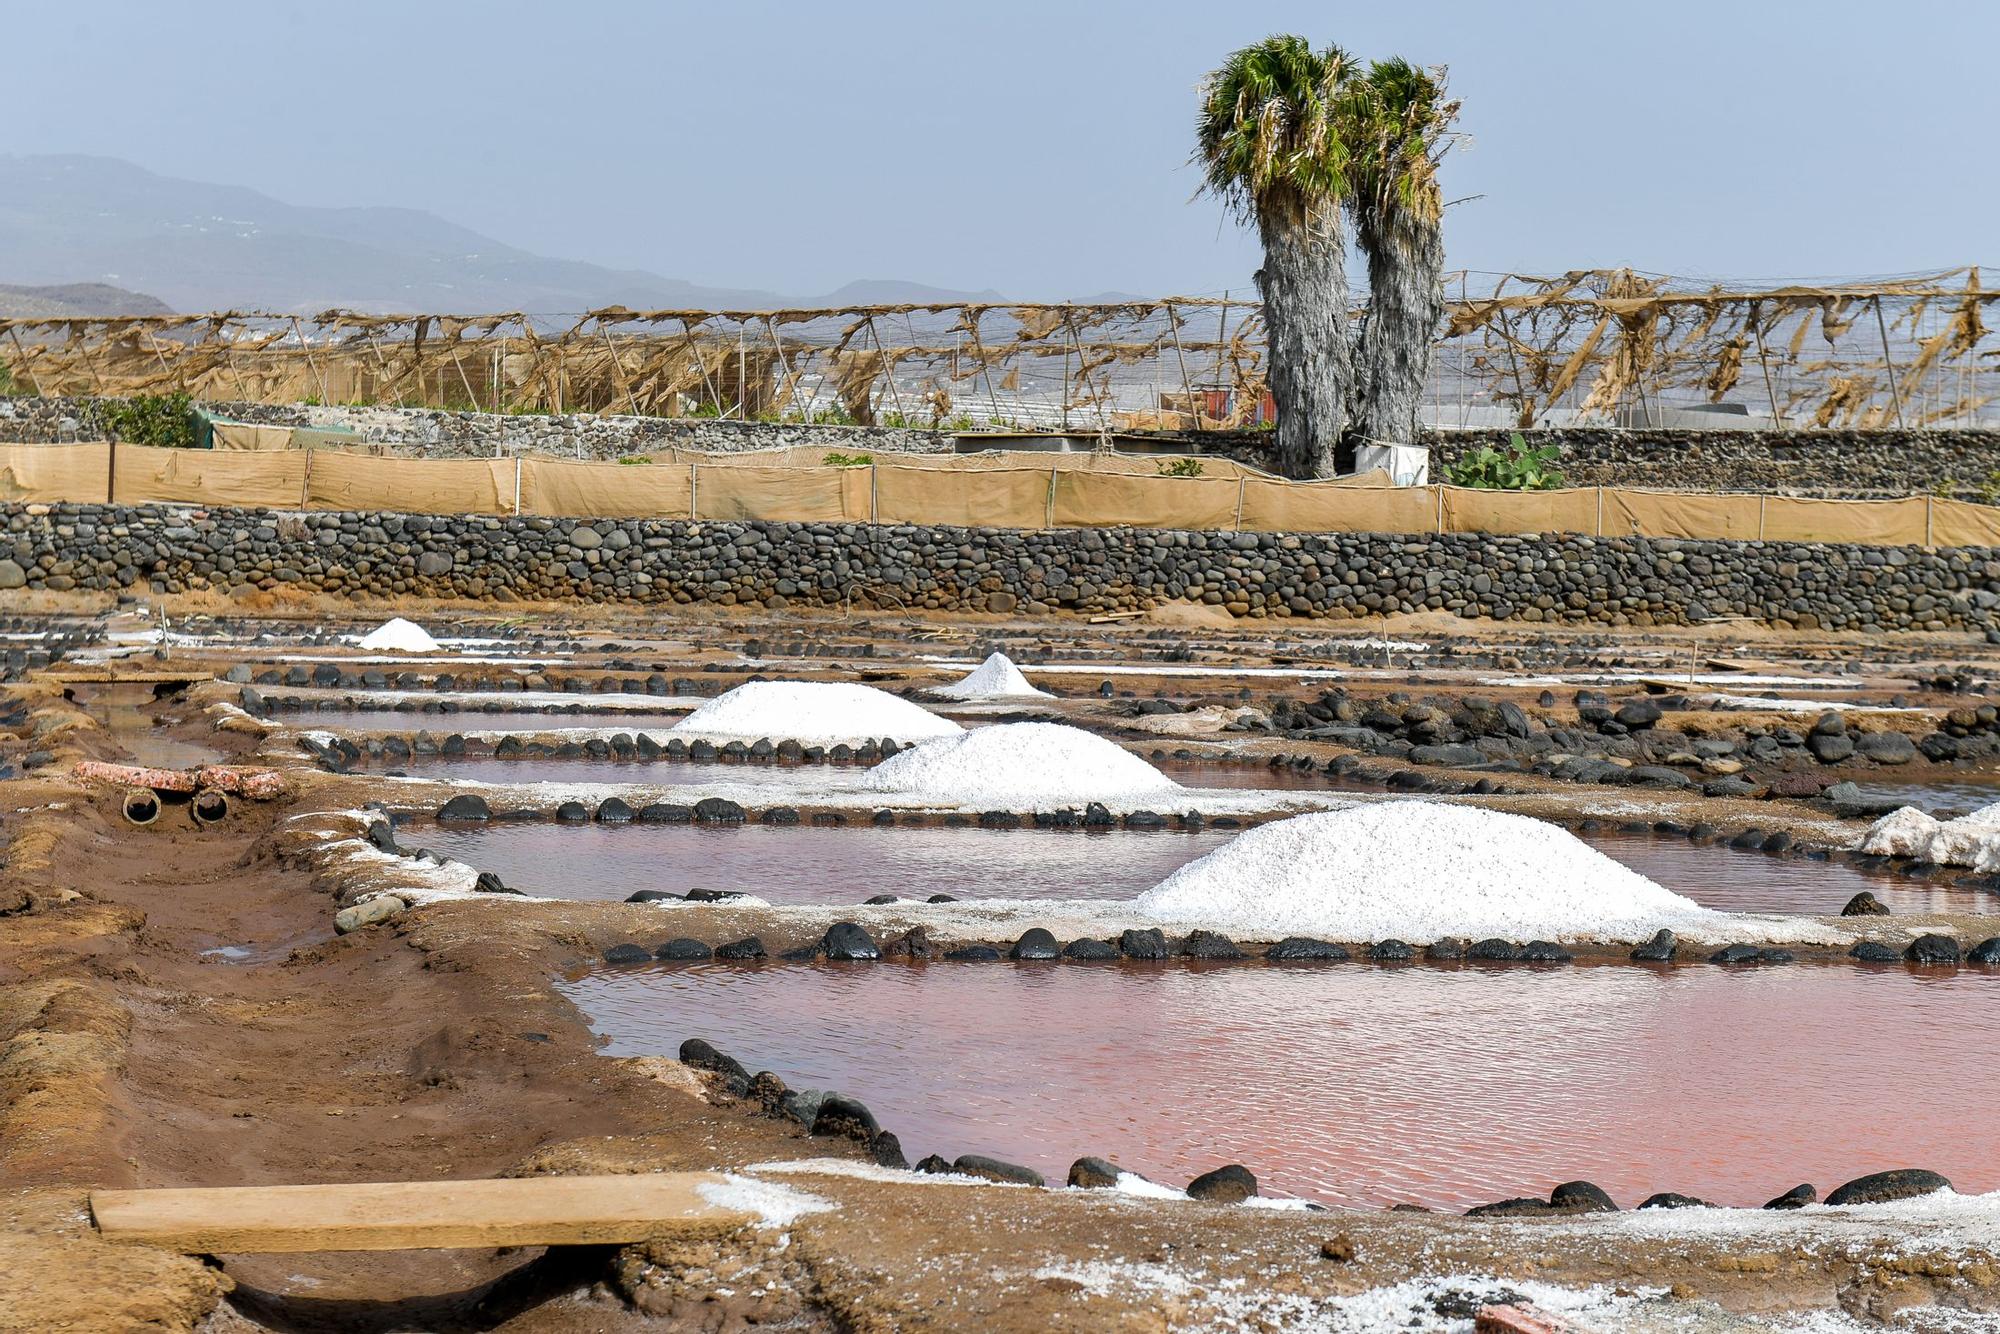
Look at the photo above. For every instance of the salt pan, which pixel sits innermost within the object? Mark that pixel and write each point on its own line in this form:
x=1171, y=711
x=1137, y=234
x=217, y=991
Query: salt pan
x=996, y=678
x=1024, y=766
x=815, y=712
x=1417, y=871
x=400, y=636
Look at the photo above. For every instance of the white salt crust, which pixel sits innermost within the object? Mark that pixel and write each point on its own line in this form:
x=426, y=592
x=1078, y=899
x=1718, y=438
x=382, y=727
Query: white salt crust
x=1418, y=871
x=1023, y=767
x=816, y=712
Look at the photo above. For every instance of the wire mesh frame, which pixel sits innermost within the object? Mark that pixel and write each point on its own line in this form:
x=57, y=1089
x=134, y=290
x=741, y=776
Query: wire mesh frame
x=1609, y=347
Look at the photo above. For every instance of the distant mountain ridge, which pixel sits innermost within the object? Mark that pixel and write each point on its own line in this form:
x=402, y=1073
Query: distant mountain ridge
x=76, y=299
x=95, y=222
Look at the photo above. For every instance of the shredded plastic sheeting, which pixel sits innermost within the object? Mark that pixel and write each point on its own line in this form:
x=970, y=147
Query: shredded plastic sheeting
x=1024, y=766
x=399, y=636
x=996, y=678
x=1418, y=871
x=817, y=712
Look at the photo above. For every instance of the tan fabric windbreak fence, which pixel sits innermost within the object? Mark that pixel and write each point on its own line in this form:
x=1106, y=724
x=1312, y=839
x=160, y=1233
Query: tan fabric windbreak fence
x=998, y=493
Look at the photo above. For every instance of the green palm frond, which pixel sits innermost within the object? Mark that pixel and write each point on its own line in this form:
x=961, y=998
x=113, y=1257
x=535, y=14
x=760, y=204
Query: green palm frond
x=1269, y=135
x=1398, y=120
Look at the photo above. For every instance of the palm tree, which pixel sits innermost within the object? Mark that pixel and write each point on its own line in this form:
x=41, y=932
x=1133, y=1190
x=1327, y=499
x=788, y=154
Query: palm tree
x=1397, y=123
x=1271, y=144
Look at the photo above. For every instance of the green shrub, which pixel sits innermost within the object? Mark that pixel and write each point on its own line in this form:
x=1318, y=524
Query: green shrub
x=152, y=419
x=1516, y=468
x=839, y=460
x=1181, y=468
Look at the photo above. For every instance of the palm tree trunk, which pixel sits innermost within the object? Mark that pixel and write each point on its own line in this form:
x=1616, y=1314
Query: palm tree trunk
x=1304, y=286
x=1405, y=303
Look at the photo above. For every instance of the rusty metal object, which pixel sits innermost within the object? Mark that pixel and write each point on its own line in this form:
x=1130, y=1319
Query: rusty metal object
x=1519, y=1318
x=257, y=784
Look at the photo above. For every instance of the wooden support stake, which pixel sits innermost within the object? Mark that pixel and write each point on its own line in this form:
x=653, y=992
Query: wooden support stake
x=1889, y=364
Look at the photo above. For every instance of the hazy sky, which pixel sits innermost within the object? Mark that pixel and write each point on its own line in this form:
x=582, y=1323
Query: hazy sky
x=1036, y=147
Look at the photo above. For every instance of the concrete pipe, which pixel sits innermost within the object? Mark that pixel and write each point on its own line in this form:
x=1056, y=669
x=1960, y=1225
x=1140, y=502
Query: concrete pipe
x=208, y=807
x=142, y=806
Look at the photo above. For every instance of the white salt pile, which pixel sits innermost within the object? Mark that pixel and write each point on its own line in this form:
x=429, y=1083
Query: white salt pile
x=1024, y=766
x=1417, y=871
x=996, y=678
x=817, y=712
x=400, y=636
x=1970, y=840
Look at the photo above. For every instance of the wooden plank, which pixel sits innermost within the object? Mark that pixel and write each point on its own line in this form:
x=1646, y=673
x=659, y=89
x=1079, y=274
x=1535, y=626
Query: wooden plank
x=414, y=1215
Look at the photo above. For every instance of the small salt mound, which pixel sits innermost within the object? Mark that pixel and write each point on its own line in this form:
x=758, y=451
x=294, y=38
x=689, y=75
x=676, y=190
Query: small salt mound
x=1970, y=840
x=814, y=711
x=1417, y=871
x=400, y=636
x=996, y=678
x=1024, y=766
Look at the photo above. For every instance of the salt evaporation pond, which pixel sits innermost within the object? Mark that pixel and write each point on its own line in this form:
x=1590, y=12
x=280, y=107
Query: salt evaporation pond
x=1358, y=1084
x=850, y=863
x=1956, y=796
x=477, y=720
x=790, y=777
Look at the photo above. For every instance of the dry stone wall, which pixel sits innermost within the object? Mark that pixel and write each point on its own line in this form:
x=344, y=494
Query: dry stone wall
x=1578, y=580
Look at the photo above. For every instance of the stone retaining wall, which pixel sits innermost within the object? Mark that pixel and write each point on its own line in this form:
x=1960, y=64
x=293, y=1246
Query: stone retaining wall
x=1824, y=463
x=1602, y=581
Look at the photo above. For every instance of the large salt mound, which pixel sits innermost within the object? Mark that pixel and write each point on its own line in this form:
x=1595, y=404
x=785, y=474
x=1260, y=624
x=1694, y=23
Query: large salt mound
x=814, y=711
x=399, y=636
x=996, y=678
x=1416, y=871
x=1024, y=766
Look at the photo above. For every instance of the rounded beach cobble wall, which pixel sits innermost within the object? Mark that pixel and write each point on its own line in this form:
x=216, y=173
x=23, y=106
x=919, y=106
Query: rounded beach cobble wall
x=1581, y=580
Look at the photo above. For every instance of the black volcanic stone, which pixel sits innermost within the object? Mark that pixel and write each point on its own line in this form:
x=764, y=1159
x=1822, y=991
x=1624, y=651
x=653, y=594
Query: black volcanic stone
x=1660, y=949
x=747, y=948
x=1798, y=1197
x=1668, y=1199
x=993, y=1169
x=1391, y=951
x=465, y=807
x=1087, y=950
x=847, y=942
x=683, y=949
x=972, y=954
x=1150, y=943
x=1544, y=951
x=1300, y=949
x=1985, y=952
x=1493, y=950
x=666, y=812
x=573, y=812
x=1035, y=943
x=718, y=810
x=1930, y=949
x=628, y=954
x=613, y=811
x=1210, y=945
x=1864, y=904
x=1231, y=1184
x=1874, y=951
x=1880, y=1187
x=1729, y=954
x=1582, y=1197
